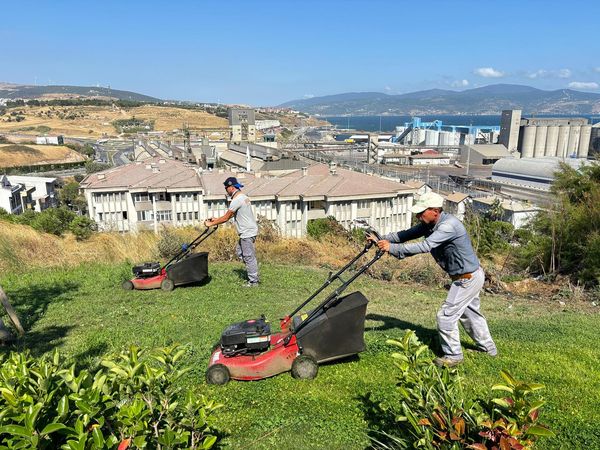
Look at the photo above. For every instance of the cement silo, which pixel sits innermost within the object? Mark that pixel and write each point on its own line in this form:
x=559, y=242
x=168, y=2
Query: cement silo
x=528, y=141
x=551, y=141
x=540, y=141
x=432, y=137
x=563, y=141
x=573, y=145
x=584, y=141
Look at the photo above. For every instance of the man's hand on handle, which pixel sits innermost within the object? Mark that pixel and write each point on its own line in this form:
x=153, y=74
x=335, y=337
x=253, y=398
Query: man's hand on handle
x=209, y=222
x=381, y=243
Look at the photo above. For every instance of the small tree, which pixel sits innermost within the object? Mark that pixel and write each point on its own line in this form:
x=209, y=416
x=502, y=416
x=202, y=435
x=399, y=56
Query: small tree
x=82, y=227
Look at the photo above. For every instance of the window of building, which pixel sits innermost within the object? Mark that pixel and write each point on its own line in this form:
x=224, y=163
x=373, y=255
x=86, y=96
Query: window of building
x=163, y=216
x=140, y=197
x=100, y=217
x=124, y=215
x=145, y=216
x=196, y=215
x=316, y=204
x=362, y=204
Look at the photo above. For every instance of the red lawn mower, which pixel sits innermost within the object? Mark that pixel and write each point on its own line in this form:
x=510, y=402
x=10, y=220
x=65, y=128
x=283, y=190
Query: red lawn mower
x=333, y=330
x=184, y=268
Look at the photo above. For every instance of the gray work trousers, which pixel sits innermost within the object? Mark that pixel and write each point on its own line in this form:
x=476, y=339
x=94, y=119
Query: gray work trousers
x=462, y=304
x=246, y=251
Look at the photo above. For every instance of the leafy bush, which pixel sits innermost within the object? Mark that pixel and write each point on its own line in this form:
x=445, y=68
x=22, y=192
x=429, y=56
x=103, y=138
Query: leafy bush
x=430, y=410
x=53, y=220
x=318, y=228
x=82, y=227
x=132, y=401
x=565, y=239
x=488, y=235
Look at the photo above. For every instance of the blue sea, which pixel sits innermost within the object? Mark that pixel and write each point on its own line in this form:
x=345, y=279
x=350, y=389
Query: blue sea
x=388, y=124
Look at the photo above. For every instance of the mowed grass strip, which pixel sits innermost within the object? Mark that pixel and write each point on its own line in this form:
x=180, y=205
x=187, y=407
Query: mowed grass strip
x=83, y=312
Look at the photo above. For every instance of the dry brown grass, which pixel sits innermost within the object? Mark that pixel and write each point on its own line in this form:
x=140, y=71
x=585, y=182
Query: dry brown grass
x=21, y=248
x=12, y=155
x=95, y=121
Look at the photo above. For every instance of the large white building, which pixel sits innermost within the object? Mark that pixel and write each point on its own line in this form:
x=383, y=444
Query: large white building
x=167, y=192
x=21, y=193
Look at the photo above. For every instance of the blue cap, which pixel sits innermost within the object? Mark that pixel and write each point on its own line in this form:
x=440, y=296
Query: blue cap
x=232, y=181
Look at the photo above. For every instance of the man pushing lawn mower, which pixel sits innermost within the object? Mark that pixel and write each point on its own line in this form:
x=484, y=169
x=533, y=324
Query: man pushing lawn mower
x=448, y=242
x=245, y=222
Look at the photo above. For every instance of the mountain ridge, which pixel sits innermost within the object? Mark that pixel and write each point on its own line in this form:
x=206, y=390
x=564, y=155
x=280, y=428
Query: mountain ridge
x=13, y=91
x=491, y=99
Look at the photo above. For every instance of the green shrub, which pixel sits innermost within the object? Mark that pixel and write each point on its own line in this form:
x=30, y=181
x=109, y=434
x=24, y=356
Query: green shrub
x=431, y=411
x=132, y=401
x=82, y=227
x=317, y=228
x=53, y=220
x=564, y=239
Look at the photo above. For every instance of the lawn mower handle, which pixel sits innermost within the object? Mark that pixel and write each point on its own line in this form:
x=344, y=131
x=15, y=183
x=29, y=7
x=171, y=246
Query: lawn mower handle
x=187, y=248
x=335, y=276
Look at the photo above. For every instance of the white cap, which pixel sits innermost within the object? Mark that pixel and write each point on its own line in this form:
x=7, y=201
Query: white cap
x=428, y=200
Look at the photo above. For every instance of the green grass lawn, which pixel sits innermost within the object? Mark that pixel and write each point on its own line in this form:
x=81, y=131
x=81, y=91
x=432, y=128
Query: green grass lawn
x=84, y=313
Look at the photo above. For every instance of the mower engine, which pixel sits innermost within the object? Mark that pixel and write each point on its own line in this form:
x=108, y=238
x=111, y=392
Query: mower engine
x=146, y=270
x=251, y=336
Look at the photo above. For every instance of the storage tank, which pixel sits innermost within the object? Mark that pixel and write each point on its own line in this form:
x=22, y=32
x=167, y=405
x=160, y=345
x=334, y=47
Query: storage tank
x=432, y=137
x=551, y=141
x=445, y=138
x=573, y=145
x=528, y=143
x=563, y=141
x=418, y=137
x=540, y=141
x=584, y=141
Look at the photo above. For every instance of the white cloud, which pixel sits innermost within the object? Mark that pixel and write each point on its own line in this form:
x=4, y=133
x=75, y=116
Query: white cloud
x=459, y=83
x=591, y=85
x=306, y=96
x=387, y=89
x=542, y=73
x=488, y=72
x=597, y=69
x=564, y=73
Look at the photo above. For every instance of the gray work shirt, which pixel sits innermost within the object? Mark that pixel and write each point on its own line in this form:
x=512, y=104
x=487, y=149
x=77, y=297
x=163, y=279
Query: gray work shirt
x=243, y=216
x=447, y=241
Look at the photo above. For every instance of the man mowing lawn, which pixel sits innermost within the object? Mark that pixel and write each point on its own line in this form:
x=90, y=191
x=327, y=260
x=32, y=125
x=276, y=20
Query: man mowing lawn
x=448, y=242
x=245, y=223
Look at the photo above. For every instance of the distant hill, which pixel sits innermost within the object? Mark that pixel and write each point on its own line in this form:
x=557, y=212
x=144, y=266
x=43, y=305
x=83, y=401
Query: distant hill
x=21, y=91
x=484, y=100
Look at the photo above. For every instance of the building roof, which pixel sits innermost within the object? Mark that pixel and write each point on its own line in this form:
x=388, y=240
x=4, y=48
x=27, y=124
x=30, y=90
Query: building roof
x=154, y=173
x=490, y=150
x=313, y=181
x=239, y=160
x=507, y=204
x=457, y=197
x=542, y=168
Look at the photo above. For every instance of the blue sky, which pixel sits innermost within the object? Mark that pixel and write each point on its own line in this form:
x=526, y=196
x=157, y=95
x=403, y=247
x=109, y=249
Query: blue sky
x=268, y=52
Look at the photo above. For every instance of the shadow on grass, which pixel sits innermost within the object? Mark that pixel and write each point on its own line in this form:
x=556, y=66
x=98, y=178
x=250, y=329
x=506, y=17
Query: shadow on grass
x=427, y=336
x=241, y=273
x=31, y=302
x=40, y=341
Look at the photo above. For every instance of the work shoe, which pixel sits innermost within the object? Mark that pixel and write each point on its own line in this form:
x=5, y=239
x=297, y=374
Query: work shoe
x=251, y=284
x=447, y=361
